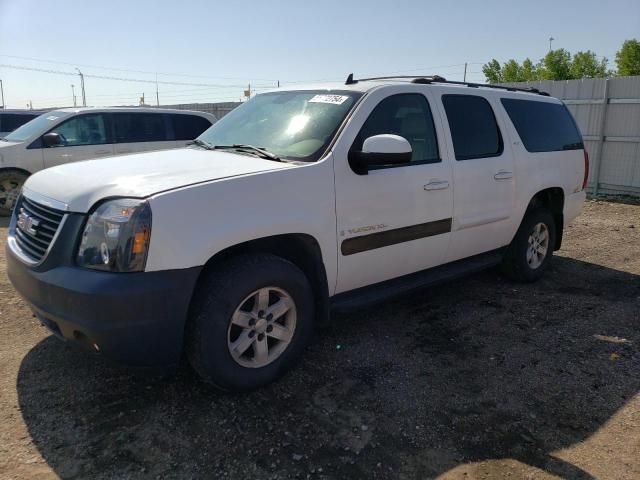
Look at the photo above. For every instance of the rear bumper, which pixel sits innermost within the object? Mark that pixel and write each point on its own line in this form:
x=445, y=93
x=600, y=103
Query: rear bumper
x=573, y=206
x=133, y=318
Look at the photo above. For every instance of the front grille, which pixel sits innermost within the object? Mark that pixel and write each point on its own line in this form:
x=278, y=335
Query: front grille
x=36, y=227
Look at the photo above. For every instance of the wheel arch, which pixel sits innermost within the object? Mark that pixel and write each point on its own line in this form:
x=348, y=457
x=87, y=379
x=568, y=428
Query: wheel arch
x=5, y=211
x=553, y=200
x=301, y=249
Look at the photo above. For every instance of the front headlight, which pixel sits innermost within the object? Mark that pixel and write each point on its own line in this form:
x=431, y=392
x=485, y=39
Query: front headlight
x=116, y=236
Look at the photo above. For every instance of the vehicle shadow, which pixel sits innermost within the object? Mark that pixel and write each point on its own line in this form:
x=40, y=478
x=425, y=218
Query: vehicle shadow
x=478, y=369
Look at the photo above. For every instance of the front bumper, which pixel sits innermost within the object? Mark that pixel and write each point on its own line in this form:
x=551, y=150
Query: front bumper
x=133, y=318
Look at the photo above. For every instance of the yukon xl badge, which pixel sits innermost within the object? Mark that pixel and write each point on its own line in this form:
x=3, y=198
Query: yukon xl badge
x=368, y=228
x=26, y=223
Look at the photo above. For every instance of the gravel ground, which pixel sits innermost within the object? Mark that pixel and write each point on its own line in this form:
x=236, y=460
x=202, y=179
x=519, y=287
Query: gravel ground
x=481, y=378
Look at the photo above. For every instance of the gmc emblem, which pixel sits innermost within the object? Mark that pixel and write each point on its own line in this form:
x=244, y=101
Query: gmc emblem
x=26, y=223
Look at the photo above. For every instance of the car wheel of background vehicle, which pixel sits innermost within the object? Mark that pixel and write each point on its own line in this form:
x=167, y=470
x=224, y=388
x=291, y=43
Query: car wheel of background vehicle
x=250, y=320
x=528, y=255
x=11, y=182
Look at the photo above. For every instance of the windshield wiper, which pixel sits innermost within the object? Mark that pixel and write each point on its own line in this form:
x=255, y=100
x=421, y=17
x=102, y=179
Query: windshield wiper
x=261, y=152
x=203, y=144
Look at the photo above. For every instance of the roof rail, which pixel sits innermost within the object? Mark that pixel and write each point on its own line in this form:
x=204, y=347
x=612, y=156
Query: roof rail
x=427, y=79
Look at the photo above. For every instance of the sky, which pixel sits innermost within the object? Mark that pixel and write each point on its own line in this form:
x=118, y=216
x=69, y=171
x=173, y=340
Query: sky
x=209, y=51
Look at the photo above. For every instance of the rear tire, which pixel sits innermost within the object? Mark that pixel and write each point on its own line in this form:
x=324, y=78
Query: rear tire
x=11, y=182
x=530, y=252
x=250, y=320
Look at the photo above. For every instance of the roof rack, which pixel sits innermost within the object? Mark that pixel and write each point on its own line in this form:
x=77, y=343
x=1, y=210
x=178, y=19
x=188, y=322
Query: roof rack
x=427, y=79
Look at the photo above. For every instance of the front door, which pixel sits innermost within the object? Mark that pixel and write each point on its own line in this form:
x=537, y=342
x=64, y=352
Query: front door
x=84, y=137
x=396, y=219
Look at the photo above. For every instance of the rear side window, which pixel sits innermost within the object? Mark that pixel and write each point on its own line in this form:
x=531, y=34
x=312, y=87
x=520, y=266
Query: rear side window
x=188, y=127
x=407, y=115
x=543, y=126
x=139, y=127
x=474, y=130
x=10, y=121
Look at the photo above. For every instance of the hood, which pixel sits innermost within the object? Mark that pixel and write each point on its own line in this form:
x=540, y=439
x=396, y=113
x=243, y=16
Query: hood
x=80, y=185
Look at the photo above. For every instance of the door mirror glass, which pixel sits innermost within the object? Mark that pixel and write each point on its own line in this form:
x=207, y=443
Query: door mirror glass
x=380, y=150
x=52, y=140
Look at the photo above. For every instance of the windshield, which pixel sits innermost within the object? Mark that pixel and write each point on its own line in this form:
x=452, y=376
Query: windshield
x=36, y=126
x=296, y=125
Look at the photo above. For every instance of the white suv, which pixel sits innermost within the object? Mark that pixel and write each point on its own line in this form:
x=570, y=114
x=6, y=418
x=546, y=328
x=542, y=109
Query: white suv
x=296, y=203
x=73, y=134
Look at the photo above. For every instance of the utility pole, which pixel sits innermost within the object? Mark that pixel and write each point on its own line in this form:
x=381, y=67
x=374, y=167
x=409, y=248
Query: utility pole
x=2, y=92
x=84, y=98
x=551, y=39
x=157, y=94
x=278, y=83
x=73, y=94
x=465, y=72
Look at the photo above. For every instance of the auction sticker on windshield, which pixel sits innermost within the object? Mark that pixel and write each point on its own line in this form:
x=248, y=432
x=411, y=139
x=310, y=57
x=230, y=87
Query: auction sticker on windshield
x=334, y=99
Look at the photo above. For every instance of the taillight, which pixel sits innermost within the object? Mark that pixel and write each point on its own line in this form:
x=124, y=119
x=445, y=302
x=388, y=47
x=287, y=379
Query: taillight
x=586, y=170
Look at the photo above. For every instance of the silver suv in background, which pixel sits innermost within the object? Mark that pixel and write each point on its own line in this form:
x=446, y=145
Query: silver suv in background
x=73, y=134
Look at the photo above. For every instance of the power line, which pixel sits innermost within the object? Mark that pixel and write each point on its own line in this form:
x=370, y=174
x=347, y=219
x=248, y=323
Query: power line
x=129, y=69
x=121, y=79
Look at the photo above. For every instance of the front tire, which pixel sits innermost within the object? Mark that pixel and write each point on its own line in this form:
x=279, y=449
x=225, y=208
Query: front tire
x=11, y=182
x=530, y=252
x=250, y=321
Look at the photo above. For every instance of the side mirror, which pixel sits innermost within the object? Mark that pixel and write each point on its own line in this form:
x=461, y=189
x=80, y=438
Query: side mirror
x=380, y=150
x=52, y=140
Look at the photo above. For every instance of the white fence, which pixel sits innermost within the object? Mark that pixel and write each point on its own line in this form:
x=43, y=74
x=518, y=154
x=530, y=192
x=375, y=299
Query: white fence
x=608, y=114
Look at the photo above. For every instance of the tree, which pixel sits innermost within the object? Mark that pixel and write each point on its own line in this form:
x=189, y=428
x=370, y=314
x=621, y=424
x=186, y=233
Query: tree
x=492, y=71
x=628, y=58
x=585, y=65
x=511, y=71
x=556, y=65
x=528, y=71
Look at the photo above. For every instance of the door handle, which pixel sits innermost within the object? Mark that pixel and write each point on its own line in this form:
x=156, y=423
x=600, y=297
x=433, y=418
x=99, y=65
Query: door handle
x=437, y=185
x=503, y=175
x=103, y=152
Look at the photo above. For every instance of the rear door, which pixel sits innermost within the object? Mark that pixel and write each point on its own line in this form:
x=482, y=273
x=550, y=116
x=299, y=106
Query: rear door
x=85, y=137
x=141, y=132
x=483, y=175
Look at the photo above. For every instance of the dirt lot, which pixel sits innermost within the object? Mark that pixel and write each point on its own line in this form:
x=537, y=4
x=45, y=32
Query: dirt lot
x=481, y=378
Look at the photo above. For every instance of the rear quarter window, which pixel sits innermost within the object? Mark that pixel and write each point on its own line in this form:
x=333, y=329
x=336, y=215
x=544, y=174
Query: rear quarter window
x=543, y=126
x=11, y=121
x=188, y=127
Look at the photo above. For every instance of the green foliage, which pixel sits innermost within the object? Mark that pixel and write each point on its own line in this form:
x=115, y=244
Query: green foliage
x=529, y=71
x=556, y=65
x=492, y=71
x=628, y=58
x=560, y=65
x=586, y=65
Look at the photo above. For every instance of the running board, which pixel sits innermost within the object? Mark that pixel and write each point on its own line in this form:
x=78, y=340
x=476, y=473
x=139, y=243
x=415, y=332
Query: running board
x=389, y=289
